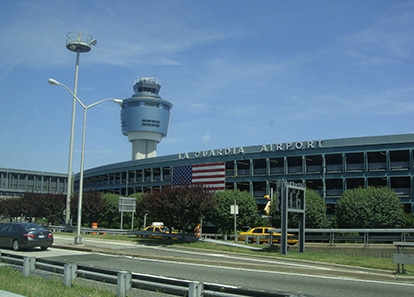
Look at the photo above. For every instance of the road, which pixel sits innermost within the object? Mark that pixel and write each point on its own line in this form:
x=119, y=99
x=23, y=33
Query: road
x=257, y=272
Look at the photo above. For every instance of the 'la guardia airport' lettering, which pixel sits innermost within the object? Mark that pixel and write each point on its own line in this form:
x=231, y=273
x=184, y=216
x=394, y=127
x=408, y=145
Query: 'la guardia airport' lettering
x=265, y=148
x=291, y=146
x=212, y=153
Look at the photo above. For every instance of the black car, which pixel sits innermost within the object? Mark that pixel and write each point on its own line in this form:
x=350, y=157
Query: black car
x=25, y=235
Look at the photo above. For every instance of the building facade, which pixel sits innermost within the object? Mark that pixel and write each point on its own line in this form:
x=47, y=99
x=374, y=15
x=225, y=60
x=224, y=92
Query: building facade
x=15, y=182
x=329, y=167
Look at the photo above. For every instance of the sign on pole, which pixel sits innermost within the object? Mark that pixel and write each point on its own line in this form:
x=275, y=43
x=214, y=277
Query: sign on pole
x=292, y=201
x=126, y=204
x=234, y=210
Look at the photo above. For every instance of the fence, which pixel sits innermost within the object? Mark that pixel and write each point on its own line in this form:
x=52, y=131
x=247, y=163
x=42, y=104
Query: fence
x=125, y=280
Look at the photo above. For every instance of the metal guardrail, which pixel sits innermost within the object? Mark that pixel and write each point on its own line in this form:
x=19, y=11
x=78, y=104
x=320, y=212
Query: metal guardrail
x=401, y=258
x=138, y=233
x=125, y=280
x=332, y=236
x=365, y=236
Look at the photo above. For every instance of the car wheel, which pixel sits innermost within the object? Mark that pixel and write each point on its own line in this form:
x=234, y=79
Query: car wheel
x=16, y=245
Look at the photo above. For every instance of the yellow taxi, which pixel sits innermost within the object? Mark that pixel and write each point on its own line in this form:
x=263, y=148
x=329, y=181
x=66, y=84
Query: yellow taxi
x=156, y=229
x=264, y=232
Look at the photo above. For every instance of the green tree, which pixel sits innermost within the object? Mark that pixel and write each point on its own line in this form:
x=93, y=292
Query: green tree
x=369, y=208
x=42, y=207
x=140, y=212
x=51, y=207
x=220, y=214
x=179, y=205
x=109, y=217
x=315, y=212
x=11, y=207
x=409, y=220
x=92, y=206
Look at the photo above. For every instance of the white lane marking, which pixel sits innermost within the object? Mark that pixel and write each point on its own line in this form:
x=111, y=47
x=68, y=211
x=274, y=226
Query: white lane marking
x=277, y=272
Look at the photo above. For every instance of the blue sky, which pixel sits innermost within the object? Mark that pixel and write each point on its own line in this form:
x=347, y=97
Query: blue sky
x=239, y=73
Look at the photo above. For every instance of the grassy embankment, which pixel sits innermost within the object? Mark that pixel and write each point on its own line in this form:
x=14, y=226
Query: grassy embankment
x=36, y=286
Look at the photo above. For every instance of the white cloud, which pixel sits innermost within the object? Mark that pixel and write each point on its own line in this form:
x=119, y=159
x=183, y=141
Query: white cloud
x=206, y=137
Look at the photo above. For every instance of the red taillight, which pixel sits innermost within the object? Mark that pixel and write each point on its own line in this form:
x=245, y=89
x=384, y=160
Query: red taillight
x=50, y=235
x=29, y=235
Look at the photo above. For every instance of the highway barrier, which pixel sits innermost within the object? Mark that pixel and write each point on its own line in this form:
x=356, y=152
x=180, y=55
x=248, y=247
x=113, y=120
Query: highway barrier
x=126, y=280
x=402, y=258
x=331, y=236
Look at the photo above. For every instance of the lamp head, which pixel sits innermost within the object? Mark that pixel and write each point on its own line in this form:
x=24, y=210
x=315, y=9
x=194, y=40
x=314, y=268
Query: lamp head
x=118, y=101
x=53, y=82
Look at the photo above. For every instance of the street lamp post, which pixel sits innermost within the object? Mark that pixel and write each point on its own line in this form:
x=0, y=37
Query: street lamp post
x=78, y=237
x=77, y=42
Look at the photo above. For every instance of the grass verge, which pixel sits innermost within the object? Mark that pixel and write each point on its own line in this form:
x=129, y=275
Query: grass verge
x=12, y=280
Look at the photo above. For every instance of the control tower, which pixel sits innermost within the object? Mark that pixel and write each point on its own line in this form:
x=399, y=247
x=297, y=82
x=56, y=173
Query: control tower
x=145, y=118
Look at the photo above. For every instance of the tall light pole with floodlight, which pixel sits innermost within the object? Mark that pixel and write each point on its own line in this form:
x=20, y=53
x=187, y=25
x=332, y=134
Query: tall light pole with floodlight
x=77, y=42
x=78, y=237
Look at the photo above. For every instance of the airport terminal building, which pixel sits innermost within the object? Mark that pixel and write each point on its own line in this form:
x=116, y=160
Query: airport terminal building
x=328, y=166
x=16, y=182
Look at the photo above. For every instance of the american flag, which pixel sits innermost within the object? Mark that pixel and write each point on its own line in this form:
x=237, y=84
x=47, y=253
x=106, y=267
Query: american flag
x=211, y=175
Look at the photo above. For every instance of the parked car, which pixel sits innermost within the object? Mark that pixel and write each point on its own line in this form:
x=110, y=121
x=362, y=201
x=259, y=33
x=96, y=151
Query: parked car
x=25, y=235
x=265, y=231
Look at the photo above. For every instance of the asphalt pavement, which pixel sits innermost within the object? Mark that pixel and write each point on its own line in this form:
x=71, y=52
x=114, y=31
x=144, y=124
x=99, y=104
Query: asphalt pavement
x=102, y=245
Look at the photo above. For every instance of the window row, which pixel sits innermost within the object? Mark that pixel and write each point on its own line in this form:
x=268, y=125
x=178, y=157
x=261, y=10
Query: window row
x=283, y=166
x=328, y=163
x=32, y=183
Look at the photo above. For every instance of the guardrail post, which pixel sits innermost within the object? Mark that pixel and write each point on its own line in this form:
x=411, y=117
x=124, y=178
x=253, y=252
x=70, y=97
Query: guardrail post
x=28, y=265
x=195, y=289
x=366, y=239
x=69, y=274
x=124, y=283
x=332, y=238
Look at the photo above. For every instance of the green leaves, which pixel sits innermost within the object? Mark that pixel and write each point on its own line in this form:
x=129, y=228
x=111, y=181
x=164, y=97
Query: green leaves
x=224, y=220
x=370, y=208
x=315, y=216
x=178, y=206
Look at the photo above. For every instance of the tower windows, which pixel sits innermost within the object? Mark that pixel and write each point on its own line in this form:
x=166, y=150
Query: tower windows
x=150, y=123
